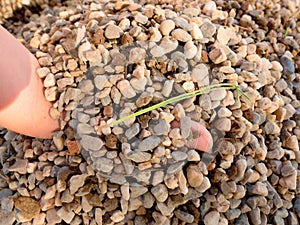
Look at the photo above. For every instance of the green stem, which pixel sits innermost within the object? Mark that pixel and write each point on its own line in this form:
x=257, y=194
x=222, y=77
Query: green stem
x=201, y=91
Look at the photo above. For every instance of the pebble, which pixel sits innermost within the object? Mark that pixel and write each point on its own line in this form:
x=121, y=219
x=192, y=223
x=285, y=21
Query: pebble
x=132, y=131
x=195, y=32
x=287, y=64
x=200, y=75
x=65, y=214
x=212, y=218
x=162, y=128
x=117, y=216
x=208, y=29
x=112, y=31
x=194, y=176
x=126, y=89
x=184, y=216
x=19, y=166
x=223, y=124
x=49, y=80
x=217, y=55
x=91, y=143
x=29, y=208
x=76, y=182
x=149, y=143
x=166, y=27
x=140, y=18
x=160, y=192
x=190, y=50
x=139, y=157
x=259, y=189
x=181, y=35
x=218, y=95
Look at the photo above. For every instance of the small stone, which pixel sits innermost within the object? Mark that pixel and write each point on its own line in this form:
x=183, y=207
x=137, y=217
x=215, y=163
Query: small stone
x=139, y=157
x=200, y=74
x=91, y=143
x=193, y=156
x=19, y=166
x=217, y=55
x=179, y=155
x=112, y=31
x=208, y=29
x=51, y=94
x=29, y=208
x=103, y=164
x=155, y=34
x=218, y=95
x=194, y=176
x=223, y=124
x=76, y=182
x=254, y=216
x=185, y=126
x=184, y=216
x=167, y=88
x=181, y=35
x=212, y=218
x=137, y=55
x=101, y=82
x=140, y=18
x=157, y=51
x=287, y=64
x=117, y=216
x=290, y=181
x=65, y=214
x=292, y=143
x=258, y=189
x=49, y=80
x=160, y=192
x=190, y=50
x=158, y=177
x=162, y=128
x=223, y=35
x=196, y=32
x=43, y=72
x=281, y=85
x=271, y=127
x=166, y=27
x=126, y=89
x=287, y=170
x=224, y=112
x=137, y=190
x=59, y=142
x=84, y=128
x=168, y=44
x=132, y=131
x=149, y=143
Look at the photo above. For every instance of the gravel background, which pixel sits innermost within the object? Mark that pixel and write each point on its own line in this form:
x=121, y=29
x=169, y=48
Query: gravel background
x=102, y=60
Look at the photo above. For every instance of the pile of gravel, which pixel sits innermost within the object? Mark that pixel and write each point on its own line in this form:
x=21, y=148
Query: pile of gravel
x=102, y=60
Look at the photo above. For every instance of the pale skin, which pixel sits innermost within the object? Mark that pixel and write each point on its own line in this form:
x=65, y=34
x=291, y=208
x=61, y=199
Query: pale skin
x=23, y=107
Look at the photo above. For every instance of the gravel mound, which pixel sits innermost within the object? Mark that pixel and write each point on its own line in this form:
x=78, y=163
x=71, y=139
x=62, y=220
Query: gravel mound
x=102, y=60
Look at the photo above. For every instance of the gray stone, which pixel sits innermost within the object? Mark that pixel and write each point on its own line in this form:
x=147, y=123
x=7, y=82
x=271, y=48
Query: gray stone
x=287, y=64
x=162, y=128
x=149, y=143
x=91, y=143
x=212, y=218
x=138, y=156
x=103, y=164
x=132, y=131
x=179, y=155
x=160, y=192
x=184, y=216
x=137, y=190
x=185, y=126
x=208, y=29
